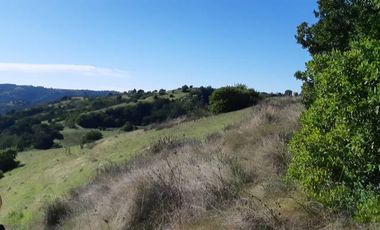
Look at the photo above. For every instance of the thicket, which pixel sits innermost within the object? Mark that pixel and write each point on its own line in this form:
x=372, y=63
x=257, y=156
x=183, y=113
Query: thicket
x=232, y=98
x=141, y=113
x=29, y=132
x=8, y=160
x=91, y=136
x=148, y=112
x=336, y=153
x=127, y=127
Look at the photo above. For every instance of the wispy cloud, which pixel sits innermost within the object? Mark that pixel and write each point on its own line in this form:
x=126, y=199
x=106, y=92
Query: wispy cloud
x=86, y=70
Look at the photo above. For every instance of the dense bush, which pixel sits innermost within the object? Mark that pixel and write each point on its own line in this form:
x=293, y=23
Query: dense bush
x=162, y=92
x=201, y=95
x=127, y=127
x=337, y=151
x=338, y=23
x=30, y=132
x=44, y=135
x=288, y=93
x=55, y=213
x=232, y=98
x=92, y=136
x=8, y=160
x=185, y=88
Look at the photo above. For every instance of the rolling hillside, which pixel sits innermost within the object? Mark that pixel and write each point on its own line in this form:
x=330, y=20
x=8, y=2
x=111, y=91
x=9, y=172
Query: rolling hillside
x=223, y=171
x=16, y=97
x=50, y=174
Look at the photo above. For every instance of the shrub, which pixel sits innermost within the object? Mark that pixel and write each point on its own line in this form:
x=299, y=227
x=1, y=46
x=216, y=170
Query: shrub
x=29, y=132
x=92, y=136
x=336, y=152
x=231, y=98
x=288, y=93
x=141, y=113
x=44, y=135
x=43, y=142
x=185, y=88
x=55, y=214
x=7, y=160
x=162, y=92
x=128, y=127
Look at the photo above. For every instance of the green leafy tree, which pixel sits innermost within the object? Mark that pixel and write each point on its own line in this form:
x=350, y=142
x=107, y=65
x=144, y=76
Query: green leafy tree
x=232, y=98
x=339, y=23
x=336, y=154
x=162, y=92
x=92, y=136
x=288, y=92
x=185, y=88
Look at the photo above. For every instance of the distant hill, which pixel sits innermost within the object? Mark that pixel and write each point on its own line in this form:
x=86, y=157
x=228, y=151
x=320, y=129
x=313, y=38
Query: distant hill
x=16, y=97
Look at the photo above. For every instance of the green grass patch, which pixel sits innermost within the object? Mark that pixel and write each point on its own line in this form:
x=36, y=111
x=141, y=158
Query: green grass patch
x=73, y=137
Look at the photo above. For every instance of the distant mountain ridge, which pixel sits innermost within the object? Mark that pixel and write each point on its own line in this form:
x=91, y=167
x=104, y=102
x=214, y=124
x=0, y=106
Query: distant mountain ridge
x=16, y=97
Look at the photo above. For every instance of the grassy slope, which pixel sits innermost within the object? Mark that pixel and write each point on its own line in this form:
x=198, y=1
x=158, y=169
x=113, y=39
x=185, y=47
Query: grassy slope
x=49, y=174
x=230, y=181
x=73, y=137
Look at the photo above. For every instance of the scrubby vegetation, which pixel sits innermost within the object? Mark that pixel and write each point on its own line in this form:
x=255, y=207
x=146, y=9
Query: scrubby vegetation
x=50, y=174
x=232, y=98
x=141, y=113
x=190, y=167
x=40, y=127
x=92, y=136
x=127, y=127
x=178, y=183
x=28, y=132
x=336, y=153
x=8, y=160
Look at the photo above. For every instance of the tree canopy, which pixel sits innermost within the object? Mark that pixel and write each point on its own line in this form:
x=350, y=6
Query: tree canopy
x=232, y=98
x=339, y=21
x=336, y=153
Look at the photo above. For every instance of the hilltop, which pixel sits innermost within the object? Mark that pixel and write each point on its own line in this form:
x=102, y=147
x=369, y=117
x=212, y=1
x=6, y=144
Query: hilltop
x=45, y=126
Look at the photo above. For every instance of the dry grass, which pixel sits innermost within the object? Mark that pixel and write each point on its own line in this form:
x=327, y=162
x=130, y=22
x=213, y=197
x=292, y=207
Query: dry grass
x=156, y=190
x=51, y=174
x=231, y=180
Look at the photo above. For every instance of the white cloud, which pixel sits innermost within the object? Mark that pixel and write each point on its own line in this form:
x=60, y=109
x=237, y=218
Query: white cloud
x=86, y=70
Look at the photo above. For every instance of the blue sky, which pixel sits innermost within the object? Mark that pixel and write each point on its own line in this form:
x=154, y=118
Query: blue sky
x=152, y=44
